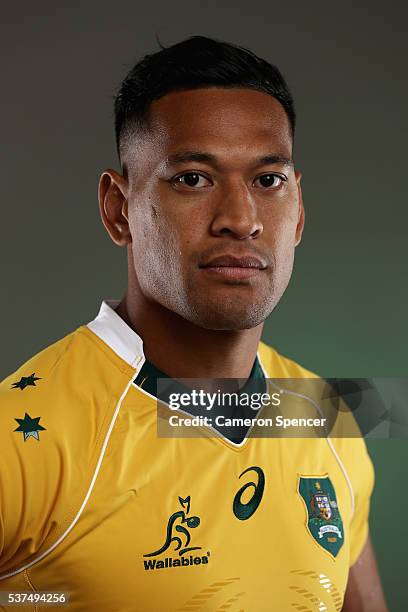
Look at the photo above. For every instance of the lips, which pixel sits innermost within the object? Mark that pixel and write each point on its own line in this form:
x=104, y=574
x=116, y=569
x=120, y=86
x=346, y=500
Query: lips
x=228, y=261
x=235, y=270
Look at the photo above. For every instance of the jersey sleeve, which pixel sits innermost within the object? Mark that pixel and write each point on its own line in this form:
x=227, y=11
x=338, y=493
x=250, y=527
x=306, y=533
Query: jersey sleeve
x=350, y=444
x=26, y=479
x=362, y=480
x=359, y=471
x=55, y=412
x=36, y=463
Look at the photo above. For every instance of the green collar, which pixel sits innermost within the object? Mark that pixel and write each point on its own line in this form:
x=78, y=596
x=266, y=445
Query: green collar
x=148, y=375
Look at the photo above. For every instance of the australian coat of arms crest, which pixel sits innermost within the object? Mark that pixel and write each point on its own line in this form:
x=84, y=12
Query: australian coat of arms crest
x=324, y=521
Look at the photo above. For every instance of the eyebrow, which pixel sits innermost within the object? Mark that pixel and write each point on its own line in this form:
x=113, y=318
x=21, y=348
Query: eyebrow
x=209, y=158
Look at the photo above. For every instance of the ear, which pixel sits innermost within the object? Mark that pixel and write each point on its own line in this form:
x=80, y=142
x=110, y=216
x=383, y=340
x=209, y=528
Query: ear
x=113, y=206
x=301, y=211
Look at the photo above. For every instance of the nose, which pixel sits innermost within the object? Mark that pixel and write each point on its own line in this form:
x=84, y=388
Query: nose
x=236, y=213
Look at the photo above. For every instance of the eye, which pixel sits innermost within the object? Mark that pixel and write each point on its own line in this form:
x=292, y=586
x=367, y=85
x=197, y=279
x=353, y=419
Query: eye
x=191, y=179
x=270, y=180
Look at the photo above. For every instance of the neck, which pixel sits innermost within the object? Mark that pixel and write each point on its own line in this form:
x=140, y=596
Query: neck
x=181, y=349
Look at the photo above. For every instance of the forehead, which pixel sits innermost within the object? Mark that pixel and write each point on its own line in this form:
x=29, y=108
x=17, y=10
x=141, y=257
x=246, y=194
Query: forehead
x=219, y=120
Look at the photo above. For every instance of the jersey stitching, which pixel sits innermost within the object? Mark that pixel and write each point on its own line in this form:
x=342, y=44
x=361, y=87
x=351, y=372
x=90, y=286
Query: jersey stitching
x=71, y=508
x=32, y=587
x=62, y=353
x=123, y=367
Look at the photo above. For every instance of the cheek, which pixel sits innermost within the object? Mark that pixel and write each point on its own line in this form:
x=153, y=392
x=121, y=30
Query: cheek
x=280, y=227
x=156, y=241
x=286, y=247
x=280, y=234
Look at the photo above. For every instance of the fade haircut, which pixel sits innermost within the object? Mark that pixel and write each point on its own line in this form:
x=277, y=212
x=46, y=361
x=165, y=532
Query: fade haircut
x=195, y=63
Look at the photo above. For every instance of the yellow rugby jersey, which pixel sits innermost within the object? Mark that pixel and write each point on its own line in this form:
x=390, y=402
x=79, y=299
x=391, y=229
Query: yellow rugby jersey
x=93, y=503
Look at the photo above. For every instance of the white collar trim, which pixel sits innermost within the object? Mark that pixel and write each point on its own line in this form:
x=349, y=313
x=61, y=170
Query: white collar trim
x=112, y=329
x=117, y=334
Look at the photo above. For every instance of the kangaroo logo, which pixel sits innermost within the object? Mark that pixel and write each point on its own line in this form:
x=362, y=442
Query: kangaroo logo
x=190, y=521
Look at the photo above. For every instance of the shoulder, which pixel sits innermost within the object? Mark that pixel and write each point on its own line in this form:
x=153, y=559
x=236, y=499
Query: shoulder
x=44, y=360
x=27, y=390
x=79, y=360
x=60, y=395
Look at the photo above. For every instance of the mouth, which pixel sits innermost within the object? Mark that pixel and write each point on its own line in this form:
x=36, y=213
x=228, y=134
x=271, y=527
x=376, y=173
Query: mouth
x=234, y=268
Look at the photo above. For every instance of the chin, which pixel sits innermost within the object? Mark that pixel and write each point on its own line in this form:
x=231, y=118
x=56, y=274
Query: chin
x=218, y=320
x=231, y=312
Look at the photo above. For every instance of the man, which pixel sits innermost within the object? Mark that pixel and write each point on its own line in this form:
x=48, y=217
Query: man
x=93, y=501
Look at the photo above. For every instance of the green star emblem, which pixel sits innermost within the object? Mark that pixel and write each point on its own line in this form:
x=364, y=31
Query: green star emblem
x=26, y=381
x=29, y=427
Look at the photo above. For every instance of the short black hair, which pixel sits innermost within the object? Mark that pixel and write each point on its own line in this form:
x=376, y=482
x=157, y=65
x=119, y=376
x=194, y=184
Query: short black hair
x=194, y=63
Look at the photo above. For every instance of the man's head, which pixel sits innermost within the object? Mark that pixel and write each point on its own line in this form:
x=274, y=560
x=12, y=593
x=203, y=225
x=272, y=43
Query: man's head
x=209, y=202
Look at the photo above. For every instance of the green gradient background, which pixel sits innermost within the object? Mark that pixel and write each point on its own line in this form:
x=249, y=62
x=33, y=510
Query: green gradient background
x=345, y=312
